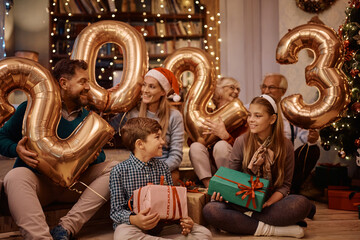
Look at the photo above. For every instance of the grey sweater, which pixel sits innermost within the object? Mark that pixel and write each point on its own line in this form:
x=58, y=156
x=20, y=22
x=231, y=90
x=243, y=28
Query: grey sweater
x=173, y=150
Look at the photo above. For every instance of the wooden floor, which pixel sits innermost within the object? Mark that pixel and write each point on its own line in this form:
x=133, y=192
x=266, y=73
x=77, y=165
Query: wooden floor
x=327, y=224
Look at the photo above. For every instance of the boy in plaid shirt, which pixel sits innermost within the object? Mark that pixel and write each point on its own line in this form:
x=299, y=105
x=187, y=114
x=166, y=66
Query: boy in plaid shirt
x=142, y=136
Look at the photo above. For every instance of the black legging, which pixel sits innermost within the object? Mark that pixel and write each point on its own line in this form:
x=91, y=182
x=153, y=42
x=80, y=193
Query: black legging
x=229, y=217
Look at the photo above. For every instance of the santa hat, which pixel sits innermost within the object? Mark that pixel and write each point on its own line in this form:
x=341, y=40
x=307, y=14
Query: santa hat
x=167, y=80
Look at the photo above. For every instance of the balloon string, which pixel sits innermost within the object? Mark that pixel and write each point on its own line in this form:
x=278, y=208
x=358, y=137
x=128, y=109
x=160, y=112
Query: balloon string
x=78, y=191
x=307, y=150
x=122, y=118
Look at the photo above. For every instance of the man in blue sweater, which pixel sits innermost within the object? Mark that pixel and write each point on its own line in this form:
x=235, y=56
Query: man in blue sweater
x=28, y=190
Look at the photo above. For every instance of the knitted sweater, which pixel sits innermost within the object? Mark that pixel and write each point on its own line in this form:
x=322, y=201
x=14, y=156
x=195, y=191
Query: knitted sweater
x=11, y=134
x=173, y=149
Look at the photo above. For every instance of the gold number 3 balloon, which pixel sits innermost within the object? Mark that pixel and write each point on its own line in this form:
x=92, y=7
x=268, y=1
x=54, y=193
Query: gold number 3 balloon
x=62, y=160
x=133, y=45
x=195, y=105
x=324, y=73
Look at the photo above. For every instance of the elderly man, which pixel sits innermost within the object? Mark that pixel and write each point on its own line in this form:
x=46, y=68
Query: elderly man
x=306, y=155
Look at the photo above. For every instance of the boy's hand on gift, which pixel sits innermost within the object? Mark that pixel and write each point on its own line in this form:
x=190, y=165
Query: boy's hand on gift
x=186, y=225
x=217, y=197
x=144, y=220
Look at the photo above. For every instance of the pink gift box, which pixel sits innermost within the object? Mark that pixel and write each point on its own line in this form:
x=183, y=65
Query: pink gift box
x=169, y=202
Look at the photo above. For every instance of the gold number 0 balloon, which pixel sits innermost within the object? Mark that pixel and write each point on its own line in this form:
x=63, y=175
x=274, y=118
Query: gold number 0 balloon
x=324, y=73
x=195, y=105
x=135, y=65
x=62, y=160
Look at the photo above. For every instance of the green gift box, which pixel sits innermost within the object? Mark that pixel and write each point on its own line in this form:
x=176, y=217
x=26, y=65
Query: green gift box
x=239, y=188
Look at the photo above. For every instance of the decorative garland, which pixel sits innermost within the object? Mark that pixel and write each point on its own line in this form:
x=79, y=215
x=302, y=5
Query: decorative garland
x=314, y=6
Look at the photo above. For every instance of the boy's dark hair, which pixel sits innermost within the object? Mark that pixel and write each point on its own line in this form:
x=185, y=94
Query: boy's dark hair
x=66, y=68
x=138, y=128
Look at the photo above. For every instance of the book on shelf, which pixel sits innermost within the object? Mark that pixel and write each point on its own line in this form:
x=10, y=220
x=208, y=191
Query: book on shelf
x=88, y=6
x=96, y=6
x=198, y=29
x=128, y=5
x=72, y=7
x=169, y=46
x=118, y=5
x=112, y=6
x=161, y=29
x=181, y=27
x=180, y=43
x=188, y=28
x=143, y=5
x=161, y=7
x=176, y=7
x=139, y=26
x=174, y=29
x=150, y=28
x=186, y=6
x=150, y=47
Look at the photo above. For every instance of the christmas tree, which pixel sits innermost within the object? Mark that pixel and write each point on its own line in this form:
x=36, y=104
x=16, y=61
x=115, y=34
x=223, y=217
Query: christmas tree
x=344, y=135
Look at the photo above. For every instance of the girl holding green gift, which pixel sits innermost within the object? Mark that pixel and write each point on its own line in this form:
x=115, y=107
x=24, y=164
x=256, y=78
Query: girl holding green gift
x=263, y=152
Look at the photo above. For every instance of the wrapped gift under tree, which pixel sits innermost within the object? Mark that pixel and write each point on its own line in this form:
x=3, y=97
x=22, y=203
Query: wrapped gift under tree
x=239, y=188
x=327, y=174
x=343, y=198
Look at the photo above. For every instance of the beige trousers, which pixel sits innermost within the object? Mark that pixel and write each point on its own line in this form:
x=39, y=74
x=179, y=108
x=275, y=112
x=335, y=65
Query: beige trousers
x=27, y=192
x=200, y=158
x=127, y=232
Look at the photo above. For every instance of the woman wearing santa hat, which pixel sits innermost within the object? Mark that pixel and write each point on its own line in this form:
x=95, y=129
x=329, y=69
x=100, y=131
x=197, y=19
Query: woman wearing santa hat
x=160, y=84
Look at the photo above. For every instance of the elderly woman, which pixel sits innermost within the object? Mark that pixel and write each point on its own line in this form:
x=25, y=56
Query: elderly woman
x=207, y=160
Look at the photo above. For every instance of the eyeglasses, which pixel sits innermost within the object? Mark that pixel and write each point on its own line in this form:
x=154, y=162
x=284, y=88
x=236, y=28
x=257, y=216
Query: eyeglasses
x=233, y=87
x=271, y=88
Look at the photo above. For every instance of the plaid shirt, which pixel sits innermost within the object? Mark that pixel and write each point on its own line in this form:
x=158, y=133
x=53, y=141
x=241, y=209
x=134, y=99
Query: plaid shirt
x=128, y=176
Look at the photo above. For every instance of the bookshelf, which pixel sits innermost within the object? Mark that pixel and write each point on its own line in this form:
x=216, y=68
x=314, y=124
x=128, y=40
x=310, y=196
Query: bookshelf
x=165, y=24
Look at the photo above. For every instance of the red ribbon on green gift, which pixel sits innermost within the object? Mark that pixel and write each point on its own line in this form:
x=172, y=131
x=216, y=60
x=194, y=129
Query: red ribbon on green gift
x=255, y=186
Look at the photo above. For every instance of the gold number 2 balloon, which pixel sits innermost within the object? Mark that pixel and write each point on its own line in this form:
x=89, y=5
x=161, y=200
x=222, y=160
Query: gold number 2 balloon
x=133, y=45
x=324, y=73
x=195, y=105
x=62, y=160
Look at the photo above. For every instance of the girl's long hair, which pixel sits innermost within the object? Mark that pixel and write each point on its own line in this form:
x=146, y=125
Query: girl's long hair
x=277, y=139
x=163, y=113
